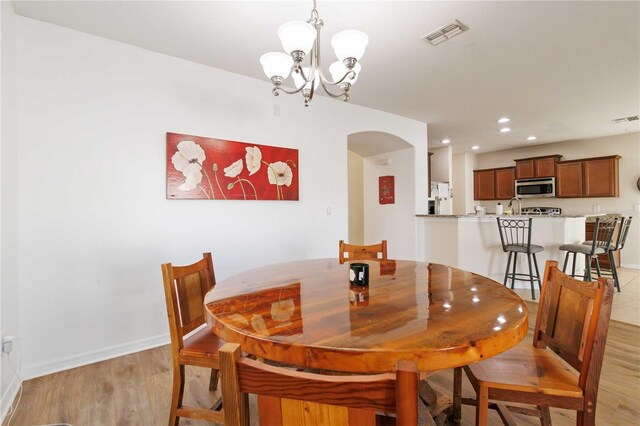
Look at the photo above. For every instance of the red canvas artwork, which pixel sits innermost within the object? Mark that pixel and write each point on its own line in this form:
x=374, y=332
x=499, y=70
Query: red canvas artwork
x=217, y=169
x=386, y=190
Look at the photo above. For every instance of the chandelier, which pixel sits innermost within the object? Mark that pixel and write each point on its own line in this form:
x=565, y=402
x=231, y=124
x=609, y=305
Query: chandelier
x=301, y=39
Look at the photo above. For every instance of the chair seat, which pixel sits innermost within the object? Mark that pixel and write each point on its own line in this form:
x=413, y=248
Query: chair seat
x=525, y=368
x=581, y=248
x=522, y=248
x=203, y=343
x=590, y=243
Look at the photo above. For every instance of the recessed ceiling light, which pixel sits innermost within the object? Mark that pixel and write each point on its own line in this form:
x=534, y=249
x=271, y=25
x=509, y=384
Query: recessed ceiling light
x=504, y=120
x=475, y=147
x=505, y=130
x=445, y=141
x=532, y=138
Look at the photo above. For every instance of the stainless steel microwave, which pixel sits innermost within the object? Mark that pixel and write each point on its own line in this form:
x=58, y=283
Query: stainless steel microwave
x=536, y=188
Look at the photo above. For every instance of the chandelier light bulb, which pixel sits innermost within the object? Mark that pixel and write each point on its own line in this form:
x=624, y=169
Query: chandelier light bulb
x=297, y=36
x=505, y=130
x=338, y=70
x=276, y=64
x=504, y=120
x=349, y=44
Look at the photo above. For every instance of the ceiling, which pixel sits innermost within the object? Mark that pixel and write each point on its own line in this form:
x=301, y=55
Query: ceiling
x=559, y=70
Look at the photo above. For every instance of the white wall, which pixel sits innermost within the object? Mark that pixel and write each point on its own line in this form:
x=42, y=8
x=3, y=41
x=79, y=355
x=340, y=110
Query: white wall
x=462, y=182
x=356, y=198
x=94, y=222
x=441, y=164
x=396, y=222
x=626, y=145
x=9, y=318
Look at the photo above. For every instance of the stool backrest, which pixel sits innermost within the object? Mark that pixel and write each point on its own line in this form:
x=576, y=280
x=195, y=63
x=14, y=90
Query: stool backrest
x=603, y=234
x=514, y=232
x=622, y=233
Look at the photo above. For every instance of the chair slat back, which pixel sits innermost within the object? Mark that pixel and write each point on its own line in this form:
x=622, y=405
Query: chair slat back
x=572, y=316
x=514, y=232
x=623, y=231
x=354, y=252
x=185, y=288
x=603, y=233
x=295, y=397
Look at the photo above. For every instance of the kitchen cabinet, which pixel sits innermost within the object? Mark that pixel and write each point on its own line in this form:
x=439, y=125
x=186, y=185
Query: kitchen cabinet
x=484, y=184
x=537, y=167
x=588, y=177
x=505, y=182
x=569, y=179
x=600, y=176
x=494, y=184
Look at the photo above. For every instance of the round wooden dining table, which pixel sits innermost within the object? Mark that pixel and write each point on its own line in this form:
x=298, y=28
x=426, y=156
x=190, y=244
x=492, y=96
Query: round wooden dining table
x=307, y=314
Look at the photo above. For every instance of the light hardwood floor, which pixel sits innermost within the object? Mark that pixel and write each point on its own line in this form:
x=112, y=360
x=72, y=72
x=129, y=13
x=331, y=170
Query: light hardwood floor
x=135, y=389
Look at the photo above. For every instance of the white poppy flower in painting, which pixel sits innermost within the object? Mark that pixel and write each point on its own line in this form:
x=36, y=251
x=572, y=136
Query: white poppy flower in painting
x=279, y=173
x=253, y=159
x=192, y=181
x=234, y=169
x=189, y=158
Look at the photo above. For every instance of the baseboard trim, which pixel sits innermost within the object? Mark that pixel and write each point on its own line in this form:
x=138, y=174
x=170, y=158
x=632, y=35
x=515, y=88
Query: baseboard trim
x=66, y=363
x=630, y=265
x=8, y=397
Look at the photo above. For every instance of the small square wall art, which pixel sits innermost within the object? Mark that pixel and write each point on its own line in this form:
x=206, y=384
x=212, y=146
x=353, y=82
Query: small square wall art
x=217, y=169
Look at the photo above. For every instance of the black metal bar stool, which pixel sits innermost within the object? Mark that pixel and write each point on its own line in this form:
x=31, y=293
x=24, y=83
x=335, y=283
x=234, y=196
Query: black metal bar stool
x=515, y=235
x=621, y=239
x=601, y=243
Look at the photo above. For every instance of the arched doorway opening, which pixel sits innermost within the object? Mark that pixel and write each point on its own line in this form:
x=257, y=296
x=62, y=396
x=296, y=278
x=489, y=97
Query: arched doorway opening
x=372, y=155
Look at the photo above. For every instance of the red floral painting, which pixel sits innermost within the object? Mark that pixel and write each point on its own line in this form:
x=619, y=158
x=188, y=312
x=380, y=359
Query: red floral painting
x=217, y=169
x=386, y=190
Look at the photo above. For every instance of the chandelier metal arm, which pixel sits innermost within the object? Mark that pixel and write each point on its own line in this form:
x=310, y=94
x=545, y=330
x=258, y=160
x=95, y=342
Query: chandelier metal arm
x=333, y=95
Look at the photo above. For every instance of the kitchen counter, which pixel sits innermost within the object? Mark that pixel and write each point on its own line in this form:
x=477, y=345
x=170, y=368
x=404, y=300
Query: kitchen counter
x=515, y=216
x=472, y=242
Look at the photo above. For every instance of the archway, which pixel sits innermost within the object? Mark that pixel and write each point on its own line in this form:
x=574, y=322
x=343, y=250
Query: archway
x=371, y=155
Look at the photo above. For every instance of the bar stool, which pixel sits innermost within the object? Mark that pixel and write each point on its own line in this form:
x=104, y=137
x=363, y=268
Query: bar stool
x=603, y=233
x=515, y=235
x=618, y=245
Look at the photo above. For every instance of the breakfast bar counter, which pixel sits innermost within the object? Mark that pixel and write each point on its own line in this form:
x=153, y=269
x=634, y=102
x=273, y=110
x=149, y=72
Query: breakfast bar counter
x=473, y=242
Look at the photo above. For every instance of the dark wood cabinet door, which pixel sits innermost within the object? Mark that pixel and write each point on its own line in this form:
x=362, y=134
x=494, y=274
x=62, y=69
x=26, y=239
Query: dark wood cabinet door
x=545, y=167
x=601, y=177
x=569, y=179
x=484, y=185
x=505, y=183
x=524, y=169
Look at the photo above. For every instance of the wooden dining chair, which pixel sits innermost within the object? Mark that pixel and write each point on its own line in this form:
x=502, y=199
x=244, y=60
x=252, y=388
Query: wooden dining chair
x=562, y=367
x=289, y=397
x=184, y=289
x=354, y=252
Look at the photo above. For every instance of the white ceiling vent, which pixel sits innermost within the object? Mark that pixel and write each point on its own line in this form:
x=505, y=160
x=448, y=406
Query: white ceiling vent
x=445, y=33
x=625, y=119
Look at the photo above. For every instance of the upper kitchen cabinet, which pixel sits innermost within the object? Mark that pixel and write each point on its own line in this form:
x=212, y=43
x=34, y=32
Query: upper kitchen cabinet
x=494, y=184
x=601, y=176
x=484, y=185
x=588, y=177
x=569, y=179
x=505, y=183
x=535, y=167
